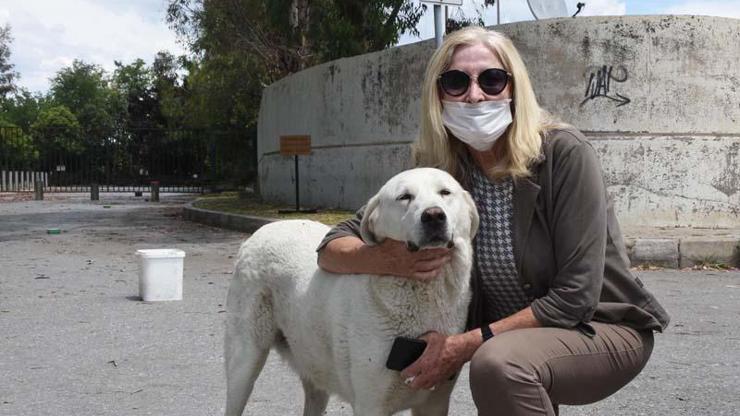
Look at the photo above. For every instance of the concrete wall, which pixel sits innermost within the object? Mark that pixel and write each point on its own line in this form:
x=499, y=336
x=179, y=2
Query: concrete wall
x=657, y=95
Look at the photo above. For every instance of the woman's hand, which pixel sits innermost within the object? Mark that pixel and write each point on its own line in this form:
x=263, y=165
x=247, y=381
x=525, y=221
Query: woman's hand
x=350, y=255
x=423, y=265
x=443, y=357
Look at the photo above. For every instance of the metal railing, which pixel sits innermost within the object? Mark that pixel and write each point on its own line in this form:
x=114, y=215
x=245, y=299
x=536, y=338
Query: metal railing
x=181, y=160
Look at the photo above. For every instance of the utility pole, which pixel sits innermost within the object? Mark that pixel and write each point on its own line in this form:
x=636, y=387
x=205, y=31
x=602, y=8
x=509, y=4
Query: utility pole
x=439, y=24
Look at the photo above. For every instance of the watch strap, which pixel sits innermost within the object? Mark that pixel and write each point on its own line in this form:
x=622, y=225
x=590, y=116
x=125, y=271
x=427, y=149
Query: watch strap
x=486, y=332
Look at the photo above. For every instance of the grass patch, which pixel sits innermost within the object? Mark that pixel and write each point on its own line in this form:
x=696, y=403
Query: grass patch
x=710, y=263
x=231, y=203
x=647, y=267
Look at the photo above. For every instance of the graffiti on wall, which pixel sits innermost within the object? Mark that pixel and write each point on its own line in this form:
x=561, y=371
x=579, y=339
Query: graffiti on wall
x=600, y=84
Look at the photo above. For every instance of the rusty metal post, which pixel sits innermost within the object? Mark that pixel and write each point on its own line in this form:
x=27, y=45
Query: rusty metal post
x=155, y=191
x=38, y=188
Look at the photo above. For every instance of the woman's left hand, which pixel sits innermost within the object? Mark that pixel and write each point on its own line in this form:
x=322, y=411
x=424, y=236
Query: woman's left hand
x=442, y=358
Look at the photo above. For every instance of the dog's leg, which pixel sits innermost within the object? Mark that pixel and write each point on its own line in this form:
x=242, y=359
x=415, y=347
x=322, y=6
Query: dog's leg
x=244, y=361
x=315, y=399
x=438, y=403
x=370, y=405
x=431, y=409
x=250, y=332
x=369, y=411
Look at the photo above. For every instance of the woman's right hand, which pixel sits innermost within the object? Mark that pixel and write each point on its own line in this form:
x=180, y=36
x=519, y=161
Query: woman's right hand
x=350, y=255
x=398, y=260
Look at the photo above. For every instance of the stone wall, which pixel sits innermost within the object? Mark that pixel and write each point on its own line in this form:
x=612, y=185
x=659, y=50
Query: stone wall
x=657, y=95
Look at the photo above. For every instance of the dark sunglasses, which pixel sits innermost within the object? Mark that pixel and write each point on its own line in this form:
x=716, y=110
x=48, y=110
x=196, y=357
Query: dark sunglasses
x=456, y=83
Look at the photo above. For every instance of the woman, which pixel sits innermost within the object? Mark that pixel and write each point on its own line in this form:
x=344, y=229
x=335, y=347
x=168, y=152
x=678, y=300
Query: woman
x=556, y=316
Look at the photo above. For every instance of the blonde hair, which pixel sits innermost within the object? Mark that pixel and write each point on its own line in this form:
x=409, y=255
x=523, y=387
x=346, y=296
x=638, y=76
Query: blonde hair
x=521, y=142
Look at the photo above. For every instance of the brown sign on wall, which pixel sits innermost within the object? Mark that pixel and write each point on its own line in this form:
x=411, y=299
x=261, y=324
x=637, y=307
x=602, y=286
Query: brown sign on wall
x=295, y=145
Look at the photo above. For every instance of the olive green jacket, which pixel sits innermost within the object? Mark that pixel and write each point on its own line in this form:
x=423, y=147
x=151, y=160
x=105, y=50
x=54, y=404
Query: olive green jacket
x=569, y=251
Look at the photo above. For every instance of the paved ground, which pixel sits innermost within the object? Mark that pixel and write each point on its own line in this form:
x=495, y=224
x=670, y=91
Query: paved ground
x=76, y=340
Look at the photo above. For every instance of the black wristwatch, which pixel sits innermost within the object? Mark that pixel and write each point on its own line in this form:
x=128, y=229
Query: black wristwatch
x=486, y=332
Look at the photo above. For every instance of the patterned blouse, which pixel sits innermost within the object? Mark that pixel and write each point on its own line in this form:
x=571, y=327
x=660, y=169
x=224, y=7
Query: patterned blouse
x=494, y=248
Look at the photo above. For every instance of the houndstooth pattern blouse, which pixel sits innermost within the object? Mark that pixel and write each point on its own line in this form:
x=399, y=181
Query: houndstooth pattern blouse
x=494, y=247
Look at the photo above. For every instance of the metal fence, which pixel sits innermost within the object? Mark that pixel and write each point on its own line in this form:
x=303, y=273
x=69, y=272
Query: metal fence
x=182, y=160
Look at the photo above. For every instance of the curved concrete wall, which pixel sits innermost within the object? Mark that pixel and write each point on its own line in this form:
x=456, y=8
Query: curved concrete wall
x=657, y=95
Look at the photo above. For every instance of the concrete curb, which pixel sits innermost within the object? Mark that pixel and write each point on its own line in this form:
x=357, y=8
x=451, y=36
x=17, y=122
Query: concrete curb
x=236, y=222
x=684, y=252
x=670, y=253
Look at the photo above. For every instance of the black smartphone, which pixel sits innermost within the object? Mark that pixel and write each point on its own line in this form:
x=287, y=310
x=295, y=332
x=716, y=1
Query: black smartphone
x=404, y=352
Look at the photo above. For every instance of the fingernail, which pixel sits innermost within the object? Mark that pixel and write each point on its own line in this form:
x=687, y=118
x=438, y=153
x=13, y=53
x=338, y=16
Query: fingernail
x=409, y=380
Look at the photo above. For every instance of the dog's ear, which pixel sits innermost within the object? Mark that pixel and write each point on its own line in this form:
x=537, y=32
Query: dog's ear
x=369, y=217
x=474, y=218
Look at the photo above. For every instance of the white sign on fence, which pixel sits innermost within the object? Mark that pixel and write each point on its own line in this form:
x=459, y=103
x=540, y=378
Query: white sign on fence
x=444, y=2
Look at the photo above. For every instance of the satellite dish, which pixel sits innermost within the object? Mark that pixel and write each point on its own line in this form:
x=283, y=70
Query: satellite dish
x=547, y=9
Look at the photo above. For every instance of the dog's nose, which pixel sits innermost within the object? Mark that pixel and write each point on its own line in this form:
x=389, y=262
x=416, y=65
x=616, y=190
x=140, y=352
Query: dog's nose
x=433, y=216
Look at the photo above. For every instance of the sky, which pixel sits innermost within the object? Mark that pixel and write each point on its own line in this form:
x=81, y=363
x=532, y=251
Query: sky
x=50, y=34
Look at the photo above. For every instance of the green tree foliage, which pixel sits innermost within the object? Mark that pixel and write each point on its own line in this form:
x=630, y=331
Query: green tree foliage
x=100, y=109
x=171, y=94
x=166, y=87
x=164, y=69
x=17, y=150
x=217, y=94
x=142, y=88
x=57, y=133
x=238, y=47
x=340, y=28
x=135, y=83
x=79, y=85
x=17, y=111
x=7, y=75
x=22, y=108
x=243, y=45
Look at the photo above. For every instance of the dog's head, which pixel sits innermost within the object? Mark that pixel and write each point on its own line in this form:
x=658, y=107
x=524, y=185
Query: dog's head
x=422, y=207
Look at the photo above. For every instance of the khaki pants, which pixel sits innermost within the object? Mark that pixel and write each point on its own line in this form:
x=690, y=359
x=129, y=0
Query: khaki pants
x=530, y=371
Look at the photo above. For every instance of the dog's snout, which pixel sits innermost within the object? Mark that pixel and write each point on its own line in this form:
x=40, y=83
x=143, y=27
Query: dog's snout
x=433, y=216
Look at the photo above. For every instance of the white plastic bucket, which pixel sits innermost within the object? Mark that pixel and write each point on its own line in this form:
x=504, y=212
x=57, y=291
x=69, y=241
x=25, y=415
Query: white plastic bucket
x=160, y=274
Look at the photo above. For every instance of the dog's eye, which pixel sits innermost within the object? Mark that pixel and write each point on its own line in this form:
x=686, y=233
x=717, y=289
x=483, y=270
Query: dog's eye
x=444, y=192
x=405, y=197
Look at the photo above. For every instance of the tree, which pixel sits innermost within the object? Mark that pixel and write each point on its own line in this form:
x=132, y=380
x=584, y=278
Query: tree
x=57, y=134
x=164, y=70
x=99, y=109
x=135, y=83
x=342, y=28
x=16, y=147
x=458, y=19
x=288, y=35
x=79, y=84
x=22, y=108
x=170, y=93
x=7, y=75
x=242, y=45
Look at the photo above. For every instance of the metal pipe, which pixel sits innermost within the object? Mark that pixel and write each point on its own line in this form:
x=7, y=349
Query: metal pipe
x=439, y=28
x=297, y=187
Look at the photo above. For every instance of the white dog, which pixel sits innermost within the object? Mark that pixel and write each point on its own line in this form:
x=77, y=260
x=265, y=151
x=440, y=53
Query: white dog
x=336, y=331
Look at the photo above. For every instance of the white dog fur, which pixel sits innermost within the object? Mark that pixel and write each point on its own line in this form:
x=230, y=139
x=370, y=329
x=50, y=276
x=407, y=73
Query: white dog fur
x=336, y=331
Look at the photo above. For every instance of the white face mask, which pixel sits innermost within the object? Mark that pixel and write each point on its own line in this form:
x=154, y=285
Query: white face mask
x=477, y=125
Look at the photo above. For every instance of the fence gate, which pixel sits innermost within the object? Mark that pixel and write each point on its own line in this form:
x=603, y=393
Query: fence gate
x=184, y=160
